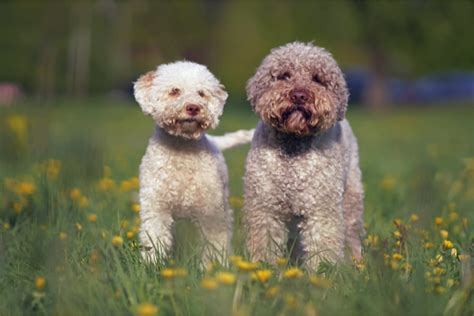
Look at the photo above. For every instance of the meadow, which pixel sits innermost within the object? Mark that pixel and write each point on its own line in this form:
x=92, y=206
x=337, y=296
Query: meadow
x=69, y=221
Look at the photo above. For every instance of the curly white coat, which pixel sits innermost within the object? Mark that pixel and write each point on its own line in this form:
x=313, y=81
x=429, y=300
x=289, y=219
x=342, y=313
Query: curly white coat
x=183, y=173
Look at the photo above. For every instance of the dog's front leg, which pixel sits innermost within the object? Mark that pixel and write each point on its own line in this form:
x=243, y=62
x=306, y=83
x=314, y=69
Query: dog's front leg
x=322, y=235
x=266, y=233
x=216, y=230
x=155, y=231
x=354, y=211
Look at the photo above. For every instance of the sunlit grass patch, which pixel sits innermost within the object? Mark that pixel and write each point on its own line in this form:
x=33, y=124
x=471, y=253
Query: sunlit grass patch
x=69, y=220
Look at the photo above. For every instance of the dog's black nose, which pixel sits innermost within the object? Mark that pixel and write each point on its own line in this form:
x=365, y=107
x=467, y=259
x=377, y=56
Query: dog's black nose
x=299, y=96
x=193, y=109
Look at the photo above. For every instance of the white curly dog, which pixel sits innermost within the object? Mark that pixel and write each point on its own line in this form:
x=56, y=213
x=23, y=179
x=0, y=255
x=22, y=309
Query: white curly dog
x=183, y=173
x=302, y=171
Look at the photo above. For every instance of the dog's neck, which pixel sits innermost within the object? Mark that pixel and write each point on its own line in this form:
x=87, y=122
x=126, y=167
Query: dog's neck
x=293, y=145
x=173, y=141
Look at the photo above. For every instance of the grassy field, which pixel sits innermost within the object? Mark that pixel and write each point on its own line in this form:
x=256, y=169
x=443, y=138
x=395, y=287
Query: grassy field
x=68, y=221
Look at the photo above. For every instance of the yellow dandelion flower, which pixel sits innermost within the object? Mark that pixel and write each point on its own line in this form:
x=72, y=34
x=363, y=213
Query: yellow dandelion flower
x=117, y=241
x=272, y=291
x=438, y=220
x=290, y=300
x=125, y=186
x=310, y=310
x=236, y=201
x=454, y=252
x=397, y=222
x=235, y=259
x=209, y=283
x=147, y=309
x=397, y=234
x=450, y=282
x=25, y=188
x=398, y=243
x=130, y=234
x=444, y=234
x=18, y=124
x=167, y=273
x=246, y=265
x=439, y=289
x=106, y=184
x=397, y=256
x=136, y=207
x=78, y=226
x=447, y=244
x=439, y=271
x=19, y=206
x=428, y=245
x=292, y=273
x=414, y=217
x=372, y=240
x=180, y=272
x=75, y=194
x=83, y=202
x=281, y=261
x=388, y=183
x=135, y=183
x=124, y=223
x=320, y=281
x=262, y=275
x=53, y=167
x=394, y=265
x=62, y=236
x=453, y=216
x=224, y=277
x=92, y=218
x=6, y=226
x=40, y=283
x=407, y=266
x=360, y=265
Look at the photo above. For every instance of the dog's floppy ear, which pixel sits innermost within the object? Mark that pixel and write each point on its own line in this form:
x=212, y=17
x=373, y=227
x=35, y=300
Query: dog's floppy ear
x=343, y=96
x=220, y=93
x=251, y=89
x=142, y=92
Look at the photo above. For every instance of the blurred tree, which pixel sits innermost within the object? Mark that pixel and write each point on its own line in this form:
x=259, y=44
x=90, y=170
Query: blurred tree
x=79, y=48
x=412, y=37
x=93, y=46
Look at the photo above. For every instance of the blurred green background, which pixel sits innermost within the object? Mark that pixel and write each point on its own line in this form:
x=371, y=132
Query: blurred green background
x=81, y=48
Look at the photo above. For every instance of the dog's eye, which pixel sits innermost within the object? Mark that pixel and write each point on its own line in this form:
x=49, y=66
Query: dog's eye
x=174, y=92
x=318, y=80
x=201, y=93
x=284, y=76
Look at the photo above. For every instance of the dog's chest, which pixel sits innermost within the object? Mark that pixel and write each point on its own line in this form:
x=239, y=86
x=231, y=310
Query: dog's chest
x=185, y=179
x=310, y=178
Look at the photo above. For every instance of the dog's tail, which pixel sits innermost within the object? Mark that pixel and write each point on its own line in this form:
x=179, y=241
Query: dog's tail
x=233, y=139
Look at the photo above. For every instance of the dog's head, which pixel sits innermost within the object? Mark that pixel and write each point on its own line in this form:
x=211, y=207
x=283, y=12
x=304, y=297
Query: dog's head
x=184, y=98
x=299, y=89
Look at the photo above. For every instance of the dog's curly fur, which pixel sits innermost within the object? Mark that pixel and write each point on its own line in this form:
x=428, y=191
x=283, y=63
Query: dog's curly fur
x=303, y=166
x=183, y=173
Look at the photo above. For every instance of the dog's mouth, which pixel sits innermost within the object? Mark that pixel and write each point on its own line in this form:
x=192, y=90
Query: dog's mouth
x=189, y=125
x=297, y=119
x=296, y=110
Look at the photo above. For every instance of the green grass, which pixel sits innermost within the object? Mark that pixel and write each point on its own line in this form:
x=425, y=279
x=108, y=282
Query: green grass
x=414, y=161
